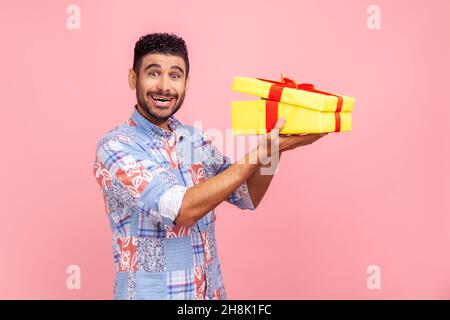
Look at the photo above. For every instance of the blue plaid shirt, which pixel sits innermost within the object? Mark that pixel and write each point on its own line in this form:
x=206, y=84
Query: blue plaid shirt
x=144, y=172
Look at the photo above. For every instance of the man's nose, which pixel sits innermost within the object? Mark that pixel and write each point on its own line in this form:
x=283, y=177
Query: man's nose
x=164, y=84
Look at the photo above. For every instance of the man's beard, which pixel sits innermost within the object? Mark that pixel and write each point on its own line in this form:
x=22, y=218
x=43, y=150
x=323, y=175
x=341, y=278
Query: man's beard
x=143, y=103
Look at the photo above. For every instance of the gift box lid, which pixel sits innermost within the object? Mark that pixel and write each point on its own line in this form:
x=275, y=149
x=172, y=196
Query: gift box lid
x=288, y=91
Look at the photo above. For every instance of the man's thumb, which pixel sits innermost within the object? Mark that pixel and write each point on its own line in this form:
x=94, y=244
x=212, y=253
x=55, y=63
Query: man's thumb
x=280, y=124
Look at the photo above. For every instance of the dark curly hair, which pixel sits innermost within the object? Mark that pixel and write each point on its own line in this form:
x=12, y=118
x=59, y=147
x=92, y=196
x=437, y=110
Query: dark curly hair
x=164, y=43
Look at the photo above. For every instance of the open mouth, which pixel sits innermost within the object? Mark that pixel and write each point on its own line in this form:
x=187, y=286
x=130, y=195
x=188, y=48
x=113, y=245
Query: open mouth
x=162, y=101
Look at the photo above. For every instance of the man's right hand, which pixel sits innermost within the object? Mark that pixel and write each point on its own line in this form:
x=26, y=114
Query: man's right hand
x=284, y=142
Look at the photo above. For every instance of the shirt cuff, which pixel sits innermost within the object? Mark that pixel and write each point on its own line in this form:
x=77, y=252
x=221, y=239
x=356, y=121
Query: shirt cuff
x=245, y=201
x=170, y=202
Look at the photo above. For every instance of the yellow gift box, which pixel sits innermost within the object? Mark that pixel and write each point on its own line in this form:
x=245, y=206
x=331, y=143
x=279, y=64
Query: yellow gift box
x=305, y=108
x=250, y=117
x=287, y=91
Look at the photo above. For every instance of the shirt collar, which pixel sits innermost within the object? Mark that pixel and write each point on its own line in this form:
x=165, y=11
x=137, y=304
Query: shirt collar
x=149, y=127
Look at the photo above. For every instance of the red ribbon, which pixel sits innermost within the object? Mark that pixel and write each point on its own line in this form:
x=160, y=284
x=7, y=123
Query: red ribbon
x=276, y=91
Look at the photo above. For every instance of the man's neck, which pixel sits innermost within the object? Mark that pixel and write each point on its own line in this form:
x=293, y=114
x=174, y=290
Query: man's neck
x=163, y=124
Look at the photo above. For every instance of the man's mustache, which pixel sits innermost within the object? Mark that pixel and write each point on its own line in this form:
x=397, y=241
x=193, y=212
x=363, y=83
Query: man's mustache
x=167, y=95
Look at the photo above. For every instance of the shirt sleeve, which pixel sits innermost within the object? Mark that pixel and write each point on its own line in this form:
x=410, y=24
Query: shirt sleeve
x=149, y=187
x=215, y=163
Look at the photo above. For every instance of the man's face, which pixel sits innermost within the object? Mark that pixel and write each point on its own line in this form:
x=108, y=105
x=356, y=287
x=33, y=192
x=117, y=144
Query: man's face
x=161, y=85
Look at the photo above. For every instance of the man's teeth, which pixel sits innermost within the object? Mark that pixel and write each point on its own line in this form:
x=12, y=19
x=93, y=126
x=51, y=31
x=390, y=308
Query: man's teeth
x=161, y=98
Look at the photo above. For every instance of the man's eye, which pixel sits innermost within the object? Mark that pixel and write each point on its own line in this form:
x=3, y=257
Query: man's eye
x=153, y=74
x=175, y=76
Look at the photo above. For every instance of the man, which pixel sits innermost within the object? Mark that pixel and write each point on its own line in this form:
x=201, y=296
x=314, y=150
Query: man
x=161, y=181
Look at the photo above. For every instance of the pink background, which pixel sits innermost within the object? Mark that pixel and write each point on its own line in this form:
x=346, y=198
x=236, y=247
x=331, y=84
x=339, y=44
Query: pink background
x=378, y=195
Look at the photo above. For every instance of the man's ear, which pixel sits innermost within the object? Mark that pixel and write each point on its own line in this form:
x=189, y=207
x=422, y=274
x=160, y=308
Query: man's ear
x=187, y=84
x=132, y=79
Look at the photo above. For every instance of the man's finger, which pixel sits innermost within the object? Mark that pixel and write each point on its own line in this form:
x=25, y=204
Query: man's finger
x=311, y=135
x=308, y=137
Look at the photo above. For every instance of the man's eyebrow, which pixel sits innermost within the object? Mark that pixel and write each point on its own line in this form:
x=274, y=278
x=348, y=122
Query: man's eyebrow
x=152, y=65
x=156, y=65
x=178, y=68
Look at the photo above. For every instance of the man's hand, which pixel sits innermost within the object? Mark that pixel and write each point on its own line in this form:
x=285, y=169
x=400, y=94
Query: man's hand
x=285, y=142
x=289, y=142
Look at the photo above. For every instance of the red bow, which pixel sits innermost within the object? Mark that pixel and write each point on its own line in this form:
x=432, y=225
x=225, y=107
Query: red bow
x=276, y=91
